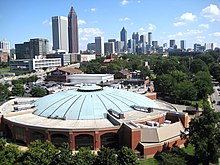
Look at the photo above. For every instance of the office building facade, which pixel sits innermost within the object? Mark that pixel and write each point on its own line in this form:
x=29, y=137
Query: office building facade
x=60, y=33
x=172, y=43
x=35, y=47
x=183, y=44
x=149, y=38
x=5, y=46
x=123, y=37
x=73, y=32
x=99, y=45
x=109, y=47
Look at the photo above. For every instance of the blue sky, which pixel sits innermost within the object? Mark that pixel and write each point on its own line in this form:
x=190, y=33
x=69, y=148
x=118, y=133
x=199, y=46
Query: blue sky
x=196, y=21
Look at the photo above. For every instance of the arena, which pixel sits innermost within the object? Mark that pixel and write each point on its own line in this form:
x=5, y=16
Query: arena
x=93, y=116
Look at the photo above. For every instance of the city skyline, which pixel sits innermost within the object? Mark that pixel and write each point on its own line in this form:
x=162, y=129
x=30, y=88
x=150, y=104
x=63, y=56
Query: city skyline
x=194, y=22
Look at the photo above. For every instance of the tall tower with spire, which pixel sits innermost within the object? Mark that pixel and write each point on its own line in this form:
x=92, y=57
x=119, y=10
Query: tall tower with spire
x=73, y=32
x=123, y=37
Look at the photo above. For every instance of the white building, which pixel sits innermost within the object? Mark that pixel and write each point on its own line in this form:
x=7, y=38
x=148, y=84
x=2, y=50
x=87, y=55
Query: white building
x=60, y=33
x=210, y=46
x=5, y=46
x=99, y=45
x=90, y=78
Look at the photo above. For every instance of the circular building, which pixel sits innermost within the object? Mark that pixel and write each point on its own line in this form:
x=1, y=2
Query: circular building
x=94, y=116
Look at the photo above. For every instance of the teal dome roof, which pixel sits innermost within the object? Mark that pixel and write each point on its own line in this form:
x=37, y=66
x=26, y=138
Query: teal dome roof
x=89, y=103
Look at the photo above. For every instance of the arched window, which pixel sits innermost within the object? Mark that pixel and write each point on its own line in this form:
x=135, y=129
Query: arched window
x=110, y=140
x=59, y=139
x=8, y=133
x=84, y=140
x=38, y=136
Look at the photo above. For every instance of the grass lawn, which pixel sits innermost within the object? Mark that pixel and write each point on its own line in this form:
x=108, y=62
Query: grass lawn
x=150, y=161
x=5, y=69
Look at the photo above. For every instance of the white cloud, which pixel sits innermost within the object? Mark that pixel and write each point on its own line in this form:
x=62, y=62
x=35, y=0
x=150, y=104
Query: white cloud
x=177, y=24
x=204, y=26
x=84, y=38
x=125, y=19
x=211, y=12
x=50, y=23
x=188, y=17
x=192, y=32
x=141, y=29
x=124, y=2
x=138, y=1
x=215, y=34
x=81, y=22
x=93, y=9
x=90, y=32
x=151, y=27
x=45, y=21
x=179, y=34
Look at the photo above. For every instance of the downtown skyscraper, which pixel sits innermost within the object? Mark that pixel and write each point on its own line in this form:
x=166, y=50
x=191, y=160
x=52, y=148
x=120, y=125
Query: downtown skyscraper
x=123, y=37
x=73, y=31
x=60, y=33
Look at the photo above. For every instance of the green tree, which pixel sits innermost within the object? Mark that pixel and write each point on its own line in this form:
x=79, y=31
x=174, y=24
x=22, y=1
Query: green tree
x=85, y=157
x=203, y=82
x=198, y=65
x=64, y=156
x=185, y=90
x=18, y=90
x=165, y=84
x=106, y=156
x=4, y=92
x=127, y=157
x=215, y=70
x=39, y=153
x=9, y=153
x=179, y=76
x=38, y=92
x=204, y=135
x=170, y=158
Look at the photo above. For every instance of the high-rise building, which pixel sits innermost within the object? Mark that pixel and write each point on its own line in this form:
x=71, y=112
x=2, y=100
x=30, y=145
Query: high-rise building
x=198, y=48
x=91, y=46
x=210, y=46
x=155, y=44
x=60, y=33
x=73, y=32
x=113, y=40
x=29, y=50
x=183, y=44
x=119, y=45
x=149, y=38
x=143, y=38
x=172, y=43
x=109, y=47
x=99, y=45
x=123, y=37
x=5, y=46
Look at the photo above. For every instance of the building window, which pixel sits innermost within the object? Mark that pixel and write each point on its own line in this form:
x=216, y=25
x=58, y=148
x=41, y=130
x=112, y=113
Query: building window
x=84, y=140
x=110, y=140
x=38, y=136
x=59, y=139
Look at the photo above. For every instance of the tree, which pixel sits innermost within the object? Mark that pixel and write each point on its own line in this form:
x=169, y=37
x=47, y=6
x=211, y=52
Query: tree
x=106, y=156
x=38, y=92
x=85, y=157
x=204, y=135
x=18, y=90
x=64, y=155
x=179, y=76
x=9, y=153
x=39, y=153
x=198, y=65
x=165, y=83
x=170, y=158
x=127, y=157
x=203, y=82
x=4, y=92
x=185, y=90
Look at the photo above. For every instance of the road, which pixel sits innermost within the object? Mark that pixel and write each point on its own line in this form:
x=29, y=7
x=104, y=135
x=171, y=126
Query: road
x=215, y=96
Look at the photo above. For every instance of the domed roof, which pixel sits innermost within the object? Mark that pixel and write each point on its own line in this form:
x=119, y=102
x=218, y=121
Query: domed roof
x=89, y=102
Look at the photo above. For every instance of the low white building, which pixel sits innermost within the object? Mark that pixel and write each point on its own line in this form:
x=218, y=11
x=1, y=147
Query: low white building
x=90, y=78
x=46, y=63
